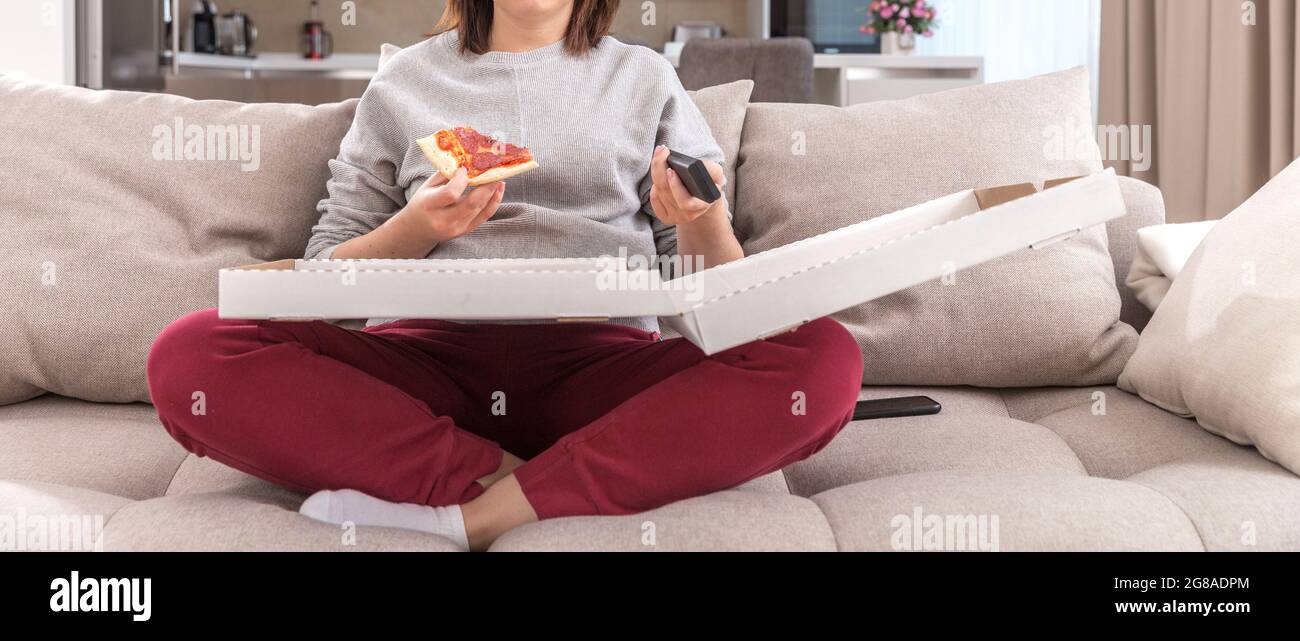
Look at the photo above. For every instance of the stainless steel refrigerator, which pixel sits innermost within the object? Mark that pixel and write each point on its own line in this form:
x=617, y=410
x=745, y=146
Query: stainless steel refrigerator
x=122, y=44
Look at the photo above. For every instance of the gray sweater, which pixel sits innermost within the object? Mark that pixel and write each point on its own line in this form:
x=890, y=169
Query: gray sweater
x=592, y=122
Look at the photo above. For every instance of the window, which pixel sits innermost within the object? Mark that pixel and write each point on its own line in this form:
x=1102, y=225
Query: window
x=36, y=41
x=1019, y=38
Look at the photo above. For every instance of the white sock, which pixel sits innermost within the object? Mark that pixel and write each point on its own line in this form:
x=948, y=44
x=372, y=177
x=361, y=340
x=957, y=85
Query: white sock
x=340, y=506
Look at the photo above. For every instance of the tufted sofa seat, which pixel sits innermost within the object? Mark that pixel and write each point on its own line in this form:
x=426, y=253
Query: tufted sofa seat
x=1060, y=469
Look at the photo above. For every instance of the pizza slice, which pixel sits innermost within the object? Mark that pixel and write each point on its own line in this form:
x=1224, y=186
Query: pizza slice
x=485, y=159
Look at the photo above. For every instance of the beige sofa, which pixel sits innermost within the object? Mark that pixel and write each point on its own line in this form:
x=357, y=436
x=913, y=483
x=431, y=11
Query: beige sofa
x=1087, y=467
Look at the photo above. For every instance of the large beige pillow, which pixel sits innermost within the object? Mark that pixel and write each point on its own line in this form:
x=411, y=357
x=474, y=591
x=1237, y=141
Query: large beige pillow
x=107, y=241
x=723, y=108
x=1047, y=317
x=1224, y=345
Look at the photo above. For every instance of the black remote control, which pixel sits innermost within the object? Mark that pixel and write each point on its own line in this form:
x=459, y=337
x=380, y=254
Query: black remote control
x=896, y=408
x=695, y=176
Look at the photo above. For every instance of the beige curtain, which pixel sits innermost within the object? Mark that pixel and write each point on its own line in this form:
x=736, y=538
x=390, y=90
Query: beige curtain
x=1219, y=95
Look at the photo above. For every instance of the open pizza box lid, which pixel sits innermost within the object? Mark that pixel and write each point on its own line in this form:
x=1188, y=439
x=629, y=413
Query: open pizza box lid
x=716, y=309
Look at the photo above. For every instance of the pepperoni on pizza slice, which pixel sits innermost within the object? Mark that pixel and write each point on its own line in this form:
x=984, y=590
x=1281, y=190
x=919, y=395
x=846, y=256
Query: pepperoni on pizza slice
x=485, y=159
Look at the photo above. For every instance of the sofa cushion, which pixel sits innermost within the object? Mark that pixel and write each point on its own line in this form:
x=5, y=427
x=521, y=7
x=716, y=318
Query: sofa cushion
x=868, y=450
x=724, y=108
x=973, y=433
x=1223, y=346
x=199, y=475
x=223, y=521
x=1125, y=436
x=771, y=483
x=1047, y=317
x=1245, y=504
x=114, y=449
x=730, y=521
x=109, y=239
x=48, y=517
x=1019, y=513
x=1032, y=403
x=74, y=457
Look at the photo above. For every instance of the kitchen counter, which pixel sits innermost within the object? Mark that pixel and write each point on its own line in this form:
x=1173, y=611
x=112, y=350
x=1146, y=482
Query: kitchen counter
x=879, y=61
x=844, y=79
x=351, y=66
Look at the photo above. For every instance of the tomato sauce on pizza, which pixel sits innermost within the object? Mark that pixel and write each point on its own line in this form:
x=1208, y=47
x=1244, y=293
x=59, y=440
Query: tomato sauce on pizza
x=479, y=153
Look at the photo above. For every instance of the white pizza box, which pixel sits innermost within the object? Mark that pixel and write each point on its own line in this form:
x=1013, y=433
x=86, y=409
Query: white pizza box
x=716, y=309
x=566, y=289
x=775, y=291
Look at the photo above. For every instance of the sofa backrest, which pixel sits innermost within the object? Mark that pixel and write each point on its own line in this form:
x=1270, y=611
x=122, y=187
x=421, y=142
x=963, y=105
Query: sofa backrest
x=111, y=240
x=118, y=210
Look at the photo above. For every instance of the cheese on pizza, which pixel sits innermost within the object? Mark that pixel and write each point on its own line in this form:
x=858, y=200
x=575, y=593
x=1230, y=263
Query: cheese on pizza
x=485, y=159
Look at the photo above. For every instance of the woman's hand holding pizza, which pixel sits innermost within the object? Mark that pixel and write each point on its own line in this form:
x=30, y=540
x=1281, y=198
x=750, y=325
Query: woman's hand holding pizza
x=673, y=204
x=441, y=210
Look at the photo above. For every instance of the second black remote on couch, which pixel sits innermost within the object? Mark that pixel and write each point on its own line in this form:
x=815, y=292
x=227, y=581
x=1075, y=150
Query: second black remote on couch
x=896, y=408
x=695, y=176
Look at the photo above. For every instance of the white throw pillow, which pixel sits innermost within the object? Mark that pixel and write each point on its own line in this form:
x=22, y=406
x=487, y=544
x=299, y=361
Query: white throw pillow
x=1162, y=251
x=1224, y=345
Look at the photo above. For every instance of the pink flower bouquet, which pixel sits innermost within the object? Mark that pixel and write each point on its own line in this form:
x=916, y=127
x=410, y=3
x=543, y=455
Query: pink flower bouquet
x=900, y=16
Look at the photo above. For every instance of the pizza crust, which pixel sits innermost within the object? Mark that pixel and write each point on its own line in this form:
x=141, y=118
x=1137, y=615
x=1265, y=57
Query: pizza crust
x=443, y=161
x=446, y=164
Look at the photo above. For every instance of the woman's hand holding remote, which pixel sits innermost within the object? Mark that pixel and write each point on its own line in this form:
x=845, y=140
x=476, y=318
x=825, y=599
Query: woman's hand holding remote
x=703, y=229
x=672, y=202
x=439, y=211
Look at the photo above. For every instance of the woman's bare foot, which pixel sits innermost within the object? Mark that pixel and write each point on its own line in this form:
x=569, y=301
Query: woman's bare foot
x=508, y=464
x=501, y=508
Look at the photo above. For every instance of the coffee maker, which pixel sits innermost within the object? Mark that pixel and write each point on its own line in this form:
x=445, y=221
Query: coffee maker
x=317, y=43
x=205, y=26
x=236, y=34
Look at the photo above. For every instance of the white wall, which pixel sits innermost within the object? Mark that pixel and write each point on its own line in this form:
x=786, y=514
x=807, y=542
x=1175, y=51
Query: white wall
x=37, y=40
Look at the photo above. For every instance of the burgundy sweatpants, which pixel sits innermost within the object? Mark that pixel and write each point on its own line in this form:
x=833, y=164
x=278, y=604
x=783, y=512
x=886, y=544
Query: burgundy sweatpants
x=611, y=419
